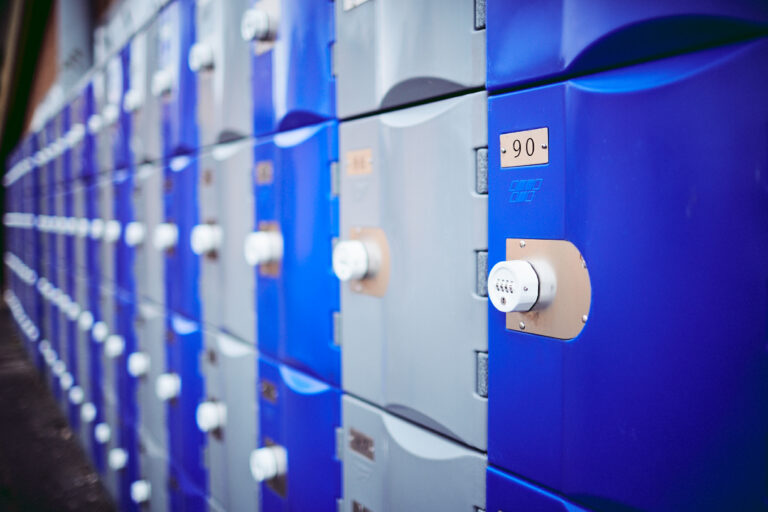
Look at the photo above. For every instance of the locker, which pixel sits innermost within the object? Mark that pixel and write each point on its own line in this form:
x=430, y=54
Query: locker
x=507, y=493
x=542, y=40
x=118, y=81
x=188, y=482
x=104, y=334
x=123, y=212
x=228, y=416
x=142, y=106
x=104, y=231
x=151, y=489
x=297, y=220
x=100, y=121
x=633, y=172
x=392, y=464
x=281, y=68
x=302, y=416
x=83, y=367
x=409, y=200
x=227, y=282
x=389, y=54
x=149, y=263
x=173, y=83
x=220, y=58
x=83, y=227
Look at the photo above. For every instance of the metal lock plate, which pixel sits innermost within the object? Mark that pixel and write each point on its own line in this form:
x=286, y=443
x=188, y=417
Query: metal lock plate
x=527, y=147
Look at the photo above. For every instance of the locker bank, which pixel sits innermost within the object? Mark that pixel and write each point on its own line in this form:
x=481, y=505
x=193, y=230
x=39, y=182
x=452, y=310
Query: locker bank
x=378, y=255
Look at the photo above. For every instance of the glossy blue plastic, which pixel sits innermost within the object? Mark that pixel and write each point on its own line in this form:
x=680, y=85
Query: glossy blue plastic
x=178, y=117
x=295, y=305
x=187, y=476
x=51, y=134
x=126, y=394
x=182, y=266
x=533, y=41
x=303, y=418
x=292, y=80
x=655, y=174
x=506, y=493
x=39, y=305
x=122, y=139
x=88, y=160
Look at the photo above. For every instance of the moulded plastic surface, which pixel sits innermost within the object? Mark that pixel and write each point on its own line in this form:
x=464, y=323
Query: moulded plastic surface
x=123, y=212
x=505, y=493
x=298, y=199
x=103, y=136
x=78, y=192
x=392, y=464
x=302, y=416
x=184, y=346
x=414, y=349
x=182, y=266
x=227, y=282
x=83, y=366
x=646, y=155
x=106, y=192
x=397, y=52
x=127, y=399
x=118, y=69
x=223, y=89
x=229, y=367
x=153, y=461
x=149, y=325
x=89, y=163
x=148, y=209
x=176, y=33
x=539, y=40
x=283, y=68
x=145, y=116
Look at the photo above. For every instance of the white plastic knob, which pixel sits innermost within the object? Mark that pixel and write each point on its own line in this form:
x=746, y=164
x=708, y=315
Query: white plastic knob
x=88, y=412
x=110, y=114
x=513, y=286
x=45, y=346
x=73, y=311
x=58, y=368
x=83, y=227
x=112, y=230
x=138, y=364
x=255, y=25
x=114, y=346
x=200, y=56
x=97, y=228
x=211, y=415
x=165, y=237
x=95, y=123
x=72, y=224
x=350, y=260
x=206, y=238
x=100, y=332
x=132, y=100
x=263, y=247
x=102, y=432
x=60, y=224
x=162, y=82
x=66, y=381
x=76, y=395
x=117, y=459
x=141, y=490
x=85, y=322
x=75, y=134
x=268, y=462
x=135, y=233
x=50, y=357
x=167, y=386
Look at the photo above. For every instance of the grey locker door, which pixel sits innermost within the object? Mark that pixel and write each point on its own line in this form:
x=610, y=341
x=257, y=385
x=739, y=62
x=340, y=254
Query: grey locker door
x=212, y=290
x=414, y=348
x=150, y=332
x=391, y=465
x=149, y=268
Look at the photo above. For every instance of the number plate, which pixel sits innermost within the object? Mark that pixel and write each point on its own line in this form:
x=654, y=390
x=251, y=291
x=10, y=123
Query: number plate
x=528, y=147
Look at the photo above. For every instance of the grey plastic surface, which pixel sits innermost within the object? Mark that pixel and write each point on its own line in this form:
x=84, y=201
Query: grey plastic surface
x=413, y=350
x=82, y=378
x=410, y=469
x=229, y=369
x=149, y=325
x=78, y=204
x=104, y=138
x=149, y=263
x=223, y=91
x=106, y=248
x=390, y=53
x=145, y=121
x=153, y=467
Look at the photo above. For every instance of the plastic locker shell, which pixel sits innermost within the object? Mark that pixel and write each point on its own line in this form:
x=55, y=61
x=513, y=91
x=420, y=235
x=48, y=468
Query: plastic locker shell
x=223, y=86
x=103, y=136
x=281, y=69
x=229, y=367
x=145, y=110
x=153, y=461
x=84, y=370
x=118, y=70
x=294, y=194
x=186, y=471
x=507, y=493
x=123, y=213
x=149, y=264
x=106, y=248
x=393, y=53
x=301, y=414
x=541, y=40
x=227, y=282
x=650, y=378
x=392, y=464
x=89, y=158
x=109, y=382
x=178, y=96
x=414, y=348
x=182, y=266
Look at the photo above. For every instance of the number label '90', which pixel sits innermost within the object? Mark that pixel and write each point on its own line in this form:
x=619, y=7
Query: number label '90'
x=528, y=147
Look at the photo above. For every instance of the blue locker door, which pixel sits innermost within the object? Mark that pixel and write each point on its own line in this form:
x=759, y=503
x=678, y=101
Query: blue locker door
x=660, y=402
x=298, y=295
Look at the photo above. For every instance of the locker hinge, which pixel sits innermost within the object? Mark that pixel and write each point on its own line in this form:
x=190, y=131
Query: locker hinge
x=481, y=170
x=479, y=14
x=337, y=328
x=481, y=365
x=340, y=443
x=335, y=179
x=481, y=285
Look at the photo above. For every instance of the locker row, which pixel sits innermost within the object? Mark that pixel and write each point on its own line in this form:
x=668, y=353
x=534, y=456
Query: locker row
x=394, y=289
